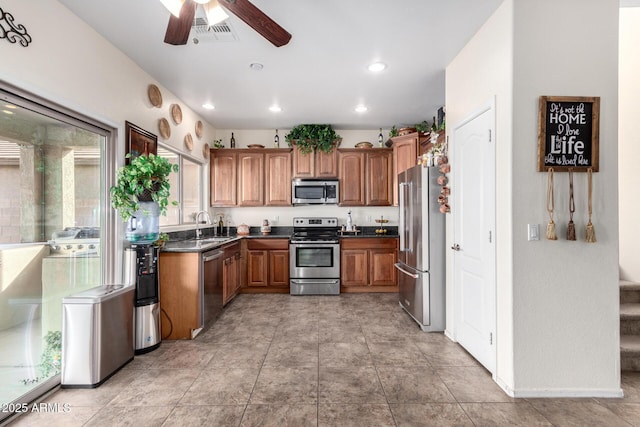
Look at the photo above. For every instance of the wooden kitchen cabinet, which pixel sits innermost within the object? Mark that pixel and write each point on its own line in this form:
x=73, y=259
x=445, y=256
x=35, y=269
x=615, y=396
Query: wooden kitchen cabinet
x=231, y=272
x=250, y=179
x=179, y=280
x=223, y=177
x=366, y=176
x=405, y=155
x=315, y=165
x=367, y=264
x=278, y=178
x=267, y=265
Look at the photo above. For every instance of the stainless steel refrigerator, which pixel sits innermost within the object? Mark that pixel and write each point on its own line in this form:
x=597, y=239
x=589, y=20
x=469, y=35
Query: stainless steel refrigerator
x=421, y=259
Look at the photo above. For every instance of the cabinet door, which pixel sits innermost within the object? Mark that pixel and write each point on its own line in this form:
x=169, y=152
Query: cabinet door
x=303, y=164
x=352, y=170
x=179, y=281
x=228, y=276
x=223, y=178
x=237, y=267
x=381, y=267
x=279, y=268
x=257, y=268
x=326, y=164
x=379, y=183
x=353, y=267
x=250, y=179
x=278, y=179
x=405, y=153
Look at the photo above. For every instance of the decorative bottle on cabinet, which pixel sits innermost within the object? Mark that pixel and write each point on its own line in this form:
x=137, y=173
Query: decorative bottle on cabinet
x=276, y=140
x=380, y=139
x=233, y=141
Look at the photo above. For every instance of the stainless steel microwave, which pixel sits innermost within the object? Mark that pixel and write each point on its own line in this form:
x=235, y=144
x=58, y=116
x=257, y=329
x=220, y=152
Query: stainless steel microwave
x=311, y=191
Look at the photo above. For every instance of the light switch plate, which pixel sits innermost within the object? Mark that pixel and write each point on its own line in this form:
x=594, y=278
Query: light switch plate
x=533, y=232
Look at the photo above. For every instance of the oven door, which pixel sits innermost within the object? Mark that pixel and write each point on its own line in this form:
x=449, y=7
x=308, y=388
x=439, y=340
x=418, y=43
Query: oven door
x=317, y=260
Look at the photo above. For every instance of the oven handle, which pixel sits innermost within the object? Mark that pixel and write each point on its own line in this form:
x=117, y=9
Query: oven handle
x=314, y=245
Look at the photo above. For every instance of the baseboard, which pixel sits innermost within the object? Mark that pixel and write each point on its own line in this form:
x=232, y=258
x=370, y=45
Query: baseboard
x=555, y=393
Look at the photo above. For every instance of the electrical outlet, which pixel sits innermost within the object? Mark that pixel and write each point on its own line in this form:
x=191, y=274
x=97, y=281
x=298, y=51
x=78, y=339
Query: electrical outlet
x=368, y=218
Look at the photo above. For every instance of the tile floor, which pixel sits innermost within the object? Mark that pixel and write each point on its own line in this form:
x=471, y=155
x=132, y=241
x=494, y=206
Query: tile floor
x=352, y=360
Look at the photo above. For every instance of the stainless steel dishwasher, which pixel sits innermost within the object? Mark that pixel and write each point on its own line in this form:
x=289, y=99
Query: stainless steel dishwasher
x=211, y=287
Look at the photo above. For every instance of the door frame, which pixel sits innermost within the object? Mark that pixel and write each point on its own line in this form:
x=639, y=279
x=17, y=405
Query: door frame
x=489, y=105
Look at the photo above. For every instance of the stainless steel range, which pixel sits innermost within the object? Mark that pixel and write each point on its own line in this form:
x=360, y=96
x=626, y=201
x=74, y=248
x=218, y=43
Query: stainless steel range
x=314, y=257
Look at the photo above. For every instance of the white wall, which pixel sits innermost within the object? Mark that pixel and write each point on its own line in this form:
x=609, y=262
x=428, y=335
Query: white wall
x=481, y=71
x=629, y=148
x=558, y=305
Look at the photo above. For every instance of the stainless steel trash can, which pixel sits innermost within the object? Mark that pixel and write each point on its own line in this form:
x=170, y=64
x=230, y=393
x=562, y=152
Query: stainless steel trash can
x=97, y=334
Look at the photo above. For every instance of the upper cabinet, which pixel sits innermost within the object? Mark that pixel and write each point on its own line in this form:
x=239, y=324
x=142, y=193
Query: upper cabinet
x=250, y=177
x=222, y=171
x=365, y=176
x=315, y=165
x=278, y=178
x=405, y=155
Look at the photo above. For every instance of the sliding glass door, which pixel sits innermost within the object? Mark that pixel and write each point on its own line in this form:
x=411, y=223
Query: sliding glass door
x=51, y=236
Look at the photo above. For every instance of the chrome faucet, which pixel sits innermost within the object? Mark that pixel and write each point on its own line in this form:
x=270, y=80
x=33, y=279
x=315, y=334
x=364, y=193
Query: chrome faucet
x=198, y=231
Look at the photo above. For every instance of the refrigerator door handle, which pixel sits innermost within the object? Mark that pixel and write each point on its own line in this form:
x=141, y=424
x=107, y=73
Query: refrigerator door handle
x=399, y=267
x=405, y=217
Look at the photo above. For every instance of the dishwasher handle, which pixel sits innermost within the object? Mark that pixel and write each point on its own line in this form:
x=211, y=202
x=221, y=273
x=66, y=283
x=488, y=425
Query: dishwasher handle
x=211, y=256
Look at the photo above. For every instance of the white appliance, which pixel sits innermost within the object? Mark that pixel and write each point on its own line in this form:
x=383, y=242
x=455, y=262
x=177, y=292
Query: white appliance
x=422, y=244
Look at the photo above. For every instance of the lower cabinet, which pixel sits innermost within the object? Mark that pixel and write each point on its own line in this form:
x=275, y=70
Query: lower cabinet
x=367, y=264
x=231, y=272
x=267, y=265
x=179, y=280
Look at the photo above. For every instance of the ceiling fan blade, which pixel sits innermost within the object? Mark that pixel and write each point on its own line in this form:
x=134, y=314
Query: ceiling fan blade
x=257, y=20
x=178, y=28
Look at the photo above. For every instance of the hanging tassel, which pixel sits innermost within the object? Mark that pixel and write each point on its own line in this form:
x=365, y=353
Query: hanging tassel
x=571, y=228
x=591, y=231
x=551, y=227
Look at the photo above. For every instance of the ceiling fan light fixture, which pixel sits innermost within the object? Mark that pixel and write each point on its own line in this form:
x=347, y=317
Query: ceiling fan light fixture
x=361, y=109
x=173, y=6
x=376, y=67
x=215, y=13
x=275, y=108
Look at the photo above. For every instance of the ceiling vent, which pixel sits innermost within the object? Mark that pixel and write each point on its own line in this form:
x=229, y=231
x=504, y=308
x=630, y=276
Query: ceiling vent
x=201, y=31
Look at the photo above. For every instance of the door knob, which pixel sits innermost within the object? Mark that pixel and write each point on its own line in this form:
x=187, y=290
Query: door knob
x=456, y=247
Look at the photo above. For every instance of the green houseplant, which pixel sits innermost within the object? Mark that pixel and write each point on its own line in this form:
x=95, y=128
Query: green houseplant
x=145, y=178
x=310, y=138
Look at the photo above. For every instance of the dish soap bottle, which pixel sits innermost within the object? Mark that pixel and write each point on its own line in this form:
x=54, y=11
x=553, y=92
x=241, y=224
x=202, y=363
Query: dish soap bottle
x=349, y=222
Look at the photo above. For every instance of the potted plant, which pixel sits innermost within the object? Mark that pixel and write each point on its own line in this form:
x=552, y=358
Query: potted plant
x=310, y=138
x=142, y=189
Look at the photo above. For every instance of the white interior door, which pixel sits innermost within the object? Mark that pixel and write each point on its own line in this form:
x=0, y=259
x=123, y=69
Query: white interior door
x=473, y=215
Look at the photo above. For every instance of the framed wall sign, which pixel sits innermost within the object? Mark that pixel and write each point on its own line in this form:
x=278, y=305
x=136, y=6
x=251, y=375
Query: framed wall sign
x=568, y=133
x=139, y=141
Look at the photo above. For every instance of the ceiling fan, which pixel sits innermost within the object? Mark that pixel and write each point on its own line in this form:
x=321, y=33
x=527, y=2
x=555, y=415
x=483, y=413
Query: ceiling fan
x=183, y=12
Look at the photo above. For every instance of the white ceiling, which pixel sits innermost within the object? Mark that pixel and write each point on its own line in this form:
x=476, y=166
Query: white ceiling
x=320, y=76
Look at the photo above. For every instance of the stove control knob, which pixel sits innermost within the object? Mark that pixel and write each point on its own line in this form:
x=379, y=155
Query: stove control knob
x=80, y=246
x=92, y=246
x=67, y=247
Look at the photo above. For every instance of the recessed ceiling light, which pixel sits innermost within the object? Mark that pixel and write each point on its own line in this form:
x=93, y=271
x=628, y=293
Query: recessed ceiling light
x=376, y=67
x=256, y=66
x=275, y=108
x=361, y=109
x=208, y=106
